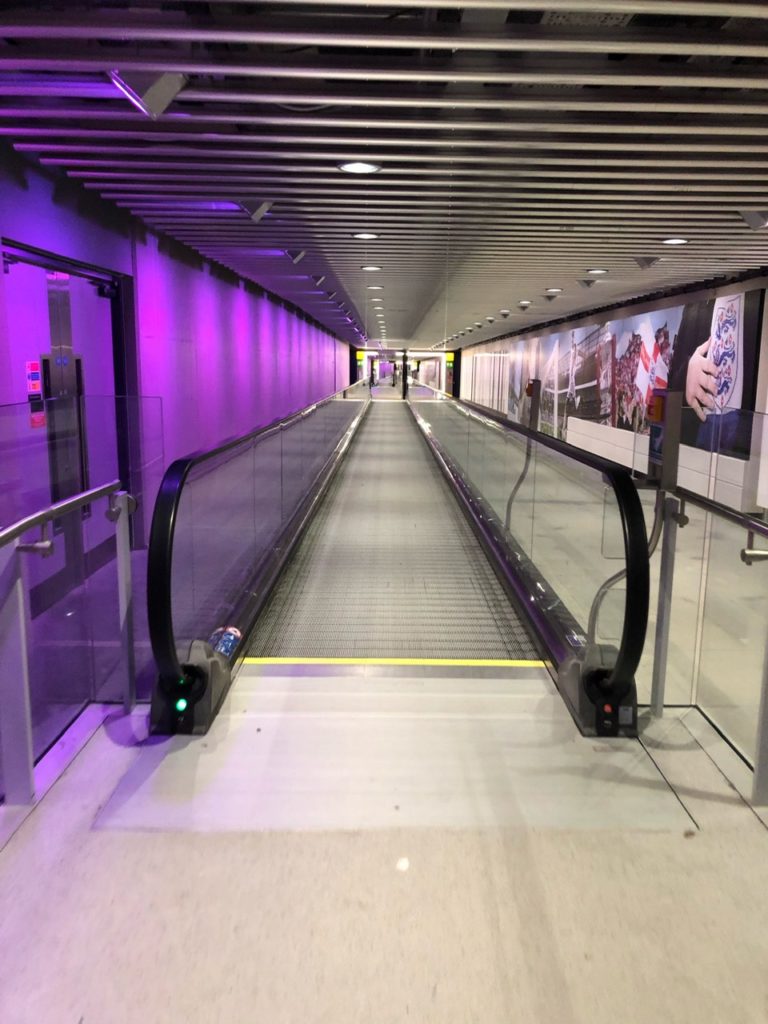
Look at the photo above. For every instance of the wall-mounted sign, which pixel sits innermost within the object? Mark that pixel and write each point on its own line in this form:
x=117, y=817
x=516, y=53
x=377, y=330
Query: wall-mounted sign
x=34, y=379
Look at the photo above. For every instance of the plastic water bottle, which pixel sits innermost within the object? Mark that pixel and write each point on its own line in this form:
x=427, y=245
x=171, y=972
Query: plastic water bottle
x=225, y=639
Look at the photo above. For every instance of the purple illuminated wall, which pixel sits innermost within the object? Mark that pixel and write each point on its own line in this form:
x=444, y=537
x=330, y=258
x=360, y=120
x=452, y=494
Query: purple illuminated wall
x=222, y=359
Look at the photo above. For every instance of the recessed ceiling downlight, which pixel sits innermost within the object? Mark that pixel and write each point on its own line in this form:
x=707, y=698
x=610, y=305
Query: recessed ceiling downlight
x=375, y=287
x=370, y=266
x=359, y=167
x=674, y=241
x=597, y=270
x=553, y=291
x=366, y=236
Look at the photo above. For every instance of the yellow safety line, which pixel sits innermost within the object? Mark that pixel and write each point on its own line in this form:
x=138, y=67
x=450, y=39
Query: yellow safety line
x=458, y=662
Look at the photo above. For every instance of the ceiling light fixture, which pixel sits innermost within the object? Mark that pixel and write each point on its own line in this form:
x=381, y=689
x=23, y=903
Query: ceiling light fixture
x=370, y=266
x=596, y=271
x=151, y=93
x=366, y=236
x=552, y=291
x=674, y=241
x=296, y=257
x=258, y=211
x=375, y=287
x=359, y=167
x=525, y=303
x=755, y=219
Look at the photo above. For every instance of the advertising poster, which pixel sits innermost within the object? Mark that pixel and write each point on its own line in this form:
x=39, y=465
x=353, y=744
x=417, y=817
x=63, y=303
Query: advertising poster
x=523, y=366
x=605, y=360
x=548, y=361
x=582, y=365
x=607, y=372
x=714, y=364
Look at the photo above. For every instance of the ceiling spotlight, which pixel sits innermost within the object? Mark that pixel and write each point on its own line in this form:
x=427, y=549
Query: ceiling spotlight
x=256, y=211
x=644, y=262
x=370, y=266
x=331, y=295
x=359, y=167
x=552, y=291
x=491, y=319
x=469, y=330
x=586, y=282
x=366, y=236
x=674, y=241
x=296, y=257
x=150, y=92
x=478, y=323
x=319, y=280
x=461, y=334
x=525, y=303
x=755, y=219
x=375, y=287
x=505, y=313
x=597, y=271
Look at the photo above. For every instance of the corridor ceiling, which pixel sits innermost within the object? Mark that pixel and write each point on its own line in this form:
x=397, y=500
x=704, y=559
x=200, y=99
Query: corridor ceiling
x=521, y=145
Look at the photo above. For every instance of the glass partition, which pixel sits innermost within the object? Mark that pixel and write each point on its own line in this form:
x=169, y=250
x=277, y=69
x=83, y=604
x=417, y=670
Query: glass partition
x=733, y=634
x=70, y=630
x=221, y=519
x=59, y=449
x=687, y=585
x=564, y=518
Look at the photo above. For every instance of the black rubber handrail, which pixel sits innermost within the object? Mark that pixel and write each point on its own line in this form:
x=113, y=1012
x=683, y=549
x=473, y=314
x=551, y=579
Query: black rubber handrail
x=164, y=516
x=635, y=542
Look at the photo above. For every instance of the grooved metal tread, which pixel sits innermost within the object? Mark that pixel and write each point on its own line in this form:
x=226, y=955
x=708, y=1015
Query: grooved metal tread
x=390, y=567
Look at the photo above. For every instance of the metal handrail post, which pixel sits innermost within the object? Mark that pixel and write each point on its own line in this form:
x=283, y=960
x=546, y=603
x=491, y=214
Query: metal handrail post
x=760, y=778
x=15, y=707
x=122, y=506
x=664, y=606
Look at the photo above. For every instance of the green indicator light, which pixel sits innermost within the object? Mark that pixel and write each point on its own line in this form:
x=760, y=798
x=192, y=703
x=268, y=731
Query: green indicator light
x=181, y=704
x=182, y=680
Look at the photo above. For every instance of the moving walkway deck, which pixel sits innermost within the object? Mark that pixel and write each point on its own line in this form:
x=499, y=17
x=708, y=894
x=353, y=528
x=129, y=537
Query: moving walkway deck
x=390, y=567
x=386, y=560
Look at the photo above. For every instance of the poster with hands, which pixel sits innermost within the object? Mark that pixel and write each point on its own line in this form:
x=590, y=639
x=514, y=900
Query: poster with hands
x=725, y=352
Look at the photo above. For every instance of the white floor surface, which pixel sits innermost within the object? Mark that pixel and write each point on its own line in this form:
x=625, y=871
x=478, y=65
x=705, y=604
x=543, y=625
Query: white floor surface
x=380, y=848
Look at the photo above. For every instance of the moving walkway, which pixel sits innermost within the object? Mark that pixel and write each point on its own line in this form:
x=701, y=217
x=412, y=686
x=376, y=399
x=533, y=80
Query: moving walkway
x=432, y=529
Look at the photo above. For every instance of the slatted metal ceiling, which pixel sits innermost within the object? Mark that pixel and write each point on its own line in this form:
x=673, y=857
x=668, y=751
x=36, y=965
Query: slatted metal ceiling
x=521, y=145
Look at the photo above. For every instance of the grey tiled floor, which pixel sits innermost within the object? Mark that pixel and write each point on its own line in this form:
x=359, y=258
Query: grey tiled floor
x=390, y=567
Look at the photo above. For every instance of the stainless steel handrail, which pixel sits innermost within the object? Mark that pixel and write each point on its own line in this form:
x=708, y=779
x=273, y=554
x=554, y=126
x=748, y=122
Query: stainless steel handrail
x=16, y=748
x=748, y=554
x=61, y=508
x=710, y=505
